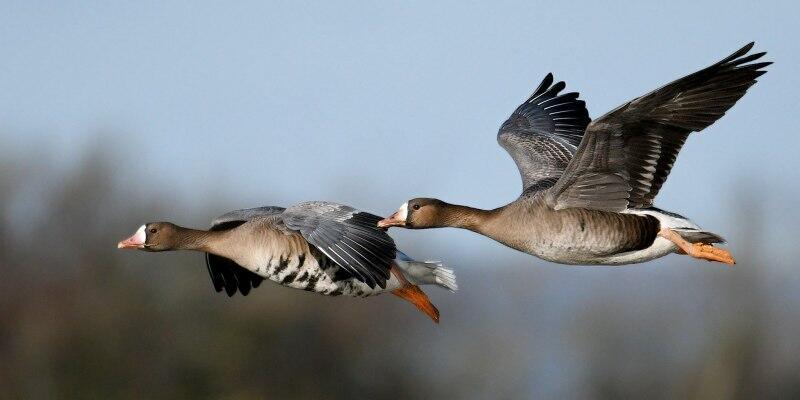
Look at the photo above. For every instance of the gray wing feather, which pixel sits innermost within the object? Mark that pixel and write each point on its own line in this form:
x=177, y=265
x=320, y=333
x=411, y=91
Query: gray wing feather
x=347, y=236
x=542, y=134
x=246, y=214
x=627, y=154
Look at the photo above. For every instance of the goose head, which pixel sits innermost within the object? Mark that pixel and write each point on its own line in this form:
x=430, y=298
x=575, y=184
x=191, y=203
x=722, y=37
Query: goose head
x=153, y=236
x=419, y=213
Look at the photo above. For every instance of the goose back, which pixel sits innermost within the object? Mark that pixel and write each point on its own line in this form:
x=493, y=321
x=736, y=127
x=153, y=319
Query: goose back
x=318, y=246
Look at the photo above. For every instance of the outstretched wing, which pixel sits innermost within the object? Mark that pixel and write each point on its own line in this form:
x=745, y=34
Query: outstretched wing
x=626, y=155
x=542, y=134
x=347, y=236
x=224, y=272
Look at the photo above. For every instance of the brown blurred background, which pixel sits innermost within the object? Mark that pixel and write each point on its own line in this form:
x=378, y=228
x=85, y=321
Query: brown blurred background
x=81, y=319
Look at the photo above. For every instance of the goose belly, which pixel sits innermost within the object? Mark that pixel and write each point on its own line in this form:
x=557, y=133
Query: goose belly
x=317, y=275
x=569, y=256
x=658, y=249
x=601, y=255
x=585, y=237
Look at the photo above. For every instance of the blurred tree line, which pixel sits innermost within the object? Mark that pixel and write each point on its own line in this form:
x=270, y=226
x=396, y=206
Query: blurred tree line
x=80, y=319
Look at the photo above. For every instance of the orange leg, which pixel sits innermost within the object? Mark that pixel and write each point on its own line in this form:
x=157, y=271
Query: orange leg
x=414, y=295
x=698, y=250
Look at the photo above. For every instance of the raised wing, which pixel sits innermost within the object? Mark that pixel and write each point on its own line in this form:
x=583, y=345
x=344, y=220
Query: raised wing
x=542, y=134
x=626, y=155
x=224, y=272
x=347, y=236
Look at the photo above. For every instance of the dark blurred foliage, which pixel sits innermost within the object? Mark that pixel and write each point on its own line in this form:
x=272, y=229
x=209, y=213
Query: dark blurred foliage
x=81, y=319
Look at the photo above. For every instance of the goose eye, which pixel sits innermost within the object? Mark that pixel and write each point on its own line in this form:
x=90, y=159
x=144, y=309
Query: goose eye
x=152, y=230
x=415, y=206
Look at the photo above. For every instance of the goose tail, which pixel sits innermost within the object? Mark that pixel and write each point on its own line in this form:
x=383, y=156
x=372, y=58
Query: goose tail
x=699, y=236
x=427, y=272
x=444, y=277
x=687, y=229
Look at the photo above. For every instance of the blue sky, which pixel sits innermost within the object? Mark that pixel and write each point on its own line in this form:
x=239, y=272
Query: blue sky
x=371, y=104
x=205, y=104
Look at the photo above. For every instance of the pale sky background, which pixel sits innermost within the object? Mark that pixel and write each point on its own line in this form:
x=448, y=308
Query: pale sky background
x=372, y=104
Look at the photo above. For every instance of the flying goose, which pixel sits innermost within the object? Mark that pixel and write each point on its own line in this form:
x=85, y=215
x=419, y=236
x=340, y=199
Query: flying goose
x=588, y=187
x=321, y=247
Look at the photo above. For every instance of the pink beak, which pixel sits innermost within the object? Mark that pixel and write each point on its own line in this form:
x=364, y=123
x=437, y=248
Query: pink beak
x=392, y=220
x=136, y=241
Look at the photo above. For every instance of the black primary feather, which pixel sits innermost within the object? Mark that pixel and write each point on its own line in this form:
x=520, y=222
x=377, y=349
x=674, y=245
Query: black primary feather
x=347, y=236
x=627, y=154
x=542, y=134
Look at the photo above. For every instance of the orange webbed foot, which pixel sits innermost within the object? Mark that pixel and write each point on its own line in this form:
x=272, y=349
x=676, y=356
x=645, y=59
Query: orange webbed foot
x=702, y=251
x=711, y=253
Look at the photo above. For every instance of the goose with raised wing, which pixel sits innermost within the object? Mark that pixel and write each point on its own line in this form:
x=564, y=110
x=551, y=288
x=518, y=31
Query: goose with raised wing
x=322, y=247
x=588, y=186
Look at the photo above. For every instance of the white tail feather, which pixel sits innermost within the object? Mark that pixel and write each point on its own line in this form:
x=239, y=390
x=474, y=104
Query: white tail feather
x=429, y=273
x=685, y=227
x=445, y=277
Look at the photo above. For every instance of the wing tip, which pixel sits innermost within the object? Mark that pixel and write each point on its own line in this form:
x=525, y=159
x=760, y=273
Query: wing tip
x=738, y=53
x=740, y=58
x=543, y=86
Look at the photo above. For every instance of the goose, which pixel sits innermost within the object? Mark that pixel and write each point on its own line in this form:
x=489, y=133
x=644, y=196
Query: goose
x=588, y=186
x=321, y=247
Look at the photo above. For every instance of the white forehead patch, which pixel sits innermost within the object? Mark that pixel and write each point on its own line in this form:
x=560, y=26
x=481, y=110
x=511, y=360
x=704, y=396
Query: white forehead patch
x=402, y=213
x=140, y=237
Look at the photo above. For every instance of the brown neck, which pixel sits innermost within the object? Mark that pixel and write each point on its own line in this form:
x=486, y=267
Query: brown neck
x=464, y=217
x=195, y=239
x=500, y=224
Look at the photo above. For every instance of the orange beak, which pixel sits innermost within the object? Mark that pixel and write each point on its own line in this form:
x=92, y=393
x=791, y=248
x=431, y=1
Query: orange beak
x=136, y=241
